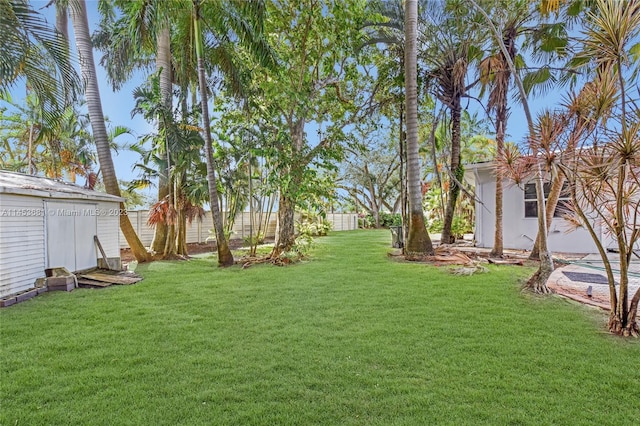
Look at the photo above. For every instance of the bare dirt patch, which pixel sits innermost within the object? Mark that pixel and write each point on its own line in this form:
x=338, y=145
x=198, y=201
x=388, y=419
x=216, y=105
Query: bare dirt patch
x=193, y=248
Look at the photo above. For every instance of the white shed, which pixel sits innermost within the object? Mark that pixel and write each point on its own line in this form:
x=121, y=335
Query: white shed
x=45, y=223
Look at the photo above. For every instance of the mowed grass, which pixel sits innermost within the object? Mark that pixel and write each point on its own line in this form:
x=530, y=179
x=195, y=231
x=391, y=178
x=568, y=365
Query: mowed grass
x=350, y=337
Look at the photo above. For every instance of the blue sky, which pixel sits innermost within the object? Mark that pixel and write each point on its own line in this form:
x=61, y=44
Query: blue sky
x=117, y=106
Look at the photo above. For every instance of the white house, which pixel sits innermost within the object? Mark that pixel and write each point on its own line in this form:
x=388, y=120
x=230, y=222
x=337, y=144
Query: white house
x=520, y=217
x=45, y=223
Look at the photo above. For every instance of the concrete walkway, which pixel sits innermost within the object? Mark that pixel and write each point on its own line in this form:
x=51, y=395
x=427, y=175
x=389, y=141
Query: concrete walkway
x=587, y=274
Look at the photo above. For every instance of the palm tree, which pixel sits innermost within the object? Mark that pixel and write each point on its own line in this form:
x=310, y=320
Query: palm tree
x=450, y=52
x=609, y=177
x=518, y=19
x=225, y=258
x=78, y=11
x=418, y=241
x=34, y=51
x=538, y=282
x=141, y=32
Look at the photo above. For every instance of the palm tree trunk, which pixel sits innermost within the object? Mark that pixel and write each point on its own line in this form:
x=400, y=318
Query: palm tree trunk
x=418, y=241
x=94, y=105
x=225, y=258
x=163, y=62
x=455, y=169
x=501, y=124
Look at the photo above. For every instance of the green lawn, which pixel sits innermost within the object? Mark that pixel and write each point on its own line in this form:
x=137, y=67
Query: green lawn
x=348, y=337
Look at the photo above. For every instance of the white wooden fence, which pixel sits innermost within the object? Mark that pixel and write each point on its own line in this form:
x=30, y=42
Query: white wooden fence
x=198, y=230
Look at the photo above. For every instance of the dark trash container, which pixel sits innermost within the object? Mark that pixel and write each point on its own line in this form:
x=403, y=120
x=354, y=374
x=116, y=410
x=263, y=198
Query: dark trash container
x=396, y=237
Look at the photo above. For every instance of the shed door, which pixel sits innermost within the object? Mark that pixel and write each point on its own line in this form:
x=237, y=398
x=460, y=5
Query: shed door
x=70, y=231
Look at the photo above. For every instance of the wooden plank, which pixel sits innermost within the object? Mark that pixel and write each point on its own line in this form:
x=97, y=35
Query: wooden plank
x=506, y=262
x=104, y=256
x=122, y=279
x=92, y=283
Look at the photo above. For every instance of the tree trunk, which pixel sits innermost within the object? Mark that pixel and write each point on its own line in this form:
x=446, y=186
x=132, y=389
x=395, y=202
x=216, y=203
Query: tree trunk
x=225, y=258
x=101, y=138
x=181, y=233
x=632, y=317
x=160, y=231
x=552, y=203
x=454, y=169
x=286, y=237
x=418, y=241
x=62, y=22
x=169, y=249
x=403, y=179
x=501, y=124
x=538, y=282
x=619, y=320
x=163, y=62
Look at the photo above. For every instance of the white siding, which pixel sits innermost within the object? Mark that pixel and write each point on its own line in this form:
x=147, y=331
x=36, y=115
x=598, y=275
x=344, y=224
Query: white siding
x=22, y=242
x=519, y=232
x=108, y=228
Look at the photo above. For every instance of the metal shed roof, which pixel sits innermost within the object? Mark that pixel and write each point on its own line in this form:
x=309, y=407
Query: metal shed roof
x=37, y=186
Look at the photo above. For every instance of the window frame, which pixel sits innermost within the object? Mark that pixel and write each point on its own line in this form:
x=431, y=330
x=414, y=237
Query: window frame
x=531, y=199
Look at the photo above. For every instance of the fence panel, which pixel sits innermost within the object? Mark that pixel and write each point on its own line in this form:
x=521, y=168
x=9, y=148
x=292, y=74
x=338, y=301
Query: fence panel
x=198, y=230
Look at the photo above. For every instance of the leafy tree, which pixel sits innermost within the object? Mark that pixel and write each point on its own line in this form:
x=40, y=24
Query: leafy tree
x=370, y=174
x=522, y=25
x=318, y=80
x=33, y=145
x=225, y=258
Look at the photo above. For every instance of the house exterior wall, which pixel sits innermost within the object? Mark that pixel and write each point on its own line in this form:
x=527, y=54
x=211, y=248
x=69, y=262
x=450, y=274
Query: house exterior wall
x=519, y=232
x=22, y=242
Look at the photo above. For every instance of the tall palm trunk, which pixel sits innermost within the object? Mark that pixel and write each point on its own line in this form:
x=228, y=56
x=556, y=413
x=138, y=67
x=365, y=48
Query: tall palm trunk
x=418, y=241
x=163, y=62
x=501, y=125
x=225, y=258
x=456, y=170
x=92, y=94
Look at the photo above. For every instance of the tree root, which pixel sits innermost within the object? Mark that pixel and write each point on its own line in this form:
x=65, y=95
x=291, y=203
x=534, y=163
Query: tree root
x=247, y=262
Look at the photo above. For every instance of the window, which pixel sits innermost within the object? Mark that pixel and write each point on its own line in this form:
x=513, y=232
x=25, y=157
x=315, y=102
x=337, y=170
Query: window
x=531, y=204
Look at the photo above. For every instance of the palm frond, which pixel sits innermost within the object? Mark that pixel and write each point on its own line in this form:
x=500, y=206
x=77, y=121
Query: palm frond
x=34, y=51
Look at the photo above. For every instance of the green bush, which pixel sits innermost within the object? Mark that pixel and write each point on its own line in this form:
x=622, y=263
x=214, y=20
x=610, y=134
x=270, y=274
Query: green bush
x=386, y=220
x=459, y=226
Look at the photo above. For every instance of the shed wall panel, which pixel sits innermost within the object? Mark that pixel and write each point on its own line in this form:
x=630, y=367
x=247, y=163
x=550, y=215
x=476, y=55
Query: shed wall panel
x=109, y=228
x=20, y=269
